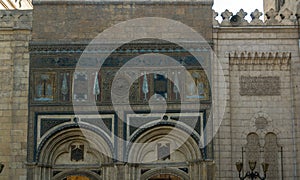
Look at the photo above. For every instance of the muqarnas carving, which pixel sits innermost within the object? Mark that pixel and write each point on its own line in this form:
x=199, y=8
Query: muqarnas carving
x=44, y=86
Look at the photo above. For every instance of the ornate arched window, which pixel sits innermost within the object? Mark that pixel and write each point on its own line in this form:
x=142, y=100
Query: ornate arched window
x=271, y=155
x=252, y=148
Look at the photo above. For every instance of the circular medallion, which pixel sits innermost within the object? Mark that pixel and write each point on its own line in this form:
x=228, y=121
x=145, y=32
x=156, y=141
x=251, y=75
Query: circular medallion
x=120, y=86
x=261, y=123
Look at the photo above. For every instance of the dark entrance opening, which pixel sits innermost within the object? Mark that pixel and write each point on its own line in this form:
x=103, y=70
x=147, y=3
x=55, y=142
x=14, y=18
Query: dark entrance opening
x=165, y=177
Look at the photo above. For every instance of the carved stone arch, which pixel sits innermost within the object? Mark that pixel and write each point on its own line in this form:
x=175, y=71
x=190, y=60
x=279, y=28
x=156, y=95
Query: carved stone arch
x=82, y=128
x=182, y=144
x=60, y=142
x=252, y=148
x=261, y=123
x=171, y=171
x=272, y=155
x=171, y=124
x=89, y=174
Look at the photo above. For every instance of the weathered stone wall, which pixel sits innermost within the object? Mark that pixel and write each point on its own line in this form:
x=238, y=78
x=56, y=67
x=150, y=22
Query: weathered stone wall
x=268, y=4
x=280, y=5
x=15, y=33
x=75, y=21
x=241, y=52
x=296, y=100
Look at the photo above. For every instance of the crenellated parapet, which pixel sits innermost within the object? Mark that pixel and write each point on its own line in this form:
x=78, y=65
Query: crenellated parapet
x=16, y=19
x=273, y=18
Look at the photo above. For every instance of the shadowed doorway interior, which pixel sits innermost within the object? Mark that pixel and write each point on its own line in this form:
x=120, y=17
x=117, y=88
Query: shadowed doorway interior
x=165, y=177
x=76, y=178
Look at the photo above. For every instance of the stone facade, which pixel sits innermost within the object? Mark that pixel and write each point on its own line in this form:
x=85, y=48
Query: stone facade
x=51, y=104
x=248, y=55
x=15, y=33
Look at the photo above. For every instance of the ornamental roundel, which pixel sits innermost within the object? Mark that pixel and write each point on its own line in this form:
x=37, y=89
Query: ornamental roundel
x=120, y=86
x=261, y=123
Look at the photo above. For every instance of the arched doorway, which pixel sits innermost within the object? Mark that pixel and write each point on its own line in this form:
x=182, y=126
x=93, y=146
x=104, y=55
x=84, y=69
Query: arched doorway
x=76, y=178
x=168, y=147
x=165, y=174
x=77, y=175
x=165, y=177
x=74, y=154
x=163, y=143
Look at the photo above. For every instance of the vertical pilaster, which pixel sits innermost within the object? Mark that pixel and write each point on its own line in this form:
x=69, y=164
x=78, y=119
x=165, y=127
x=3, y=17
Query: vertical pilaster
x=15, y=33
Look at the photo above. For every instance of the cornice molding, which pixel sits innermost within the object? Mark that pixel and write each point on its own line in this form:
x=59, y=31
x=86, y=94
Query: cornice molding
x=136, y=47
x=260, y=60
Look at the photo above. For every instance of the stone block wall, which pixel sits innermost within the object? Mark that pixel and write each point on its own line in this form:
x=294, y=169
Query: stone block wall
x=246, y=58
x=296, y=102
x=74, y=21
x=15, y=33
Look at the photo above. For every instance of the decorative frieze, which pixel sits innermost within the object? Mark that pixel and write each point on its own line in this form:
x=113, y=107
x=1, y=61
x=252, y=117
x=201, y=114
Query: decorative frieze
x=61, y=85
x=260, y=60
x=135, y=47
x=260, y=86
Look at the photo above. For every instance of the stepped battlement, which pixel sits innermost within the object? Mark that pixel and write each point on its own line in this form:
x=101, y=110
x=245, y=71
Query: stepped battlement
x=273, y=18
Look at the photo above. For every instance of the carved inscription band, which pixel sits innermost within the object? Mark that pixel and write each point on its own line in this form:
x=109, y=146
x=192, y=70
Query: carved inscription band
x=260, y=86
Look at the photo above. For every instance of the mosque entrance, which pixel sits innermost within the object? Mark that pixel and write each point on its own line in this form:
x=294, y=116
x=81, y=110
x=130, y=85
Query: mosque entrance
x=165, y=177
x=76, y=178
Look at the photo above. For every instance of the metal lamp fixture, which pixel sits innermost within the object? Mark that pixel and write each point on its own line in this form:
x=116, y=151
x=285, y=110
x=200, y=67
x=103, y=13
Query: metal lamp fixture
x=1, y=167
x=252, y=174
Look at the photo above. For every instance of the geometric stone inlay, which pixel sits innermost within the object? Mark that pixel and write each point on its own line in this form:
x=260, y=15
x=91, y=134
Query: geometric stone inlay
x=105, y=124
x=47, y=124
x=195, y=122
x=260, y=86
